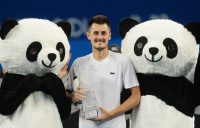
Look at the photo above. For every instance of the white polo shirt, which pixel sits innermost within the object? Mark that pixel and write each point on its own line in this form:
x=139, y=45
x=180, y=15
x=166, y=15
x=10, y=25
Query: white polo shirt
x=107, y=77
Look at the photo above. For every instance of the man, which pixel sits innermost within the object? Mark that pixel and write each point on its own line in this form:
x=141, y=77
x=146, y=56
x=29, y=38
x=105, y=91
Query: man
x=108, y=72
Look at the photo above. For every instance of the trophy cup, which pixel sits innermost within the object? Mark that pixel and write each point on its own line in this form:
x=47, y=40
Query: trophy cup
x=89, y=106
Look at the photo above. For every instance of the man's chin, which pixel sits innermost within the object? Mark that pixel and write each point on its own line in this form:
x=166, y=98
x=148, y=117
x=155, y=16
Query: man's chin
x=100, y=48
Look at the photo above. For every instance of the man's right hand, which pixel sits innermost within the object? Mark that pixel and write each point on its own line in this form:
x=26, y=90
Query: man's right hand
x=78, y=94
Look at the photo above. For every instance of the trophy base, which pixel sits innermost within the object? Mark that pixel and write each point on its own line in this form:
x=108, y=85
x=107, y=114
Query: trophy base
x=90, y=114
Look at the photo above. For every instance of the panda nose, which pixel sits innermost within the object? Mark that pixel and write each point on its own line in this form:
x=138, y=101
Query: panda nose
x=52, y=56
x=153, y=51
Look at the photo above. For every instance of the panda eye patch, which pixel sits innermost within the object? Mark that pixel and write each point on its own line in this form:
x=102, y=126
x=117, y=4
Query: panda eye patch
x=139, y=45
x=61, y=49
x=33, y=50
x=171, y=47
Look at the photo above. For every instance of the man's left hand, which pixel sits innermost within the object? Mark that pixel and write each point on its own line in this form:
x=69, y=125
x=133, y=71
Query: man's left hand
x=104, y=115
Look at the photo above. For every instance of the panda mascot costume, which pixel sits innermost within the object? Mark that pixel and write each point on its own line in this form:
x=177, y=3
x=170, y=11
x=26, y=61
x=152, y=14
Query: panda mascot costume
x=33, y=51
x=197, y=88
x=164, y=54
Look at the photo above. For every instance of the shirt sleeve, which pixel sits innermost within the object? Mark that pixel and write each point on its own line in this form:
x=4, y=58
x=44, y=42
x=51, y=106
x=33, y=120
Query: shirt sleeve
x=129, y=76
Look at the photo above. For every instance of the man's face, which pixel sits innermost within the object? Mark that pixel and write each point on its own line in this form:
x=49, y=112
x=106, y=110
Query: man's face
x=99, y=35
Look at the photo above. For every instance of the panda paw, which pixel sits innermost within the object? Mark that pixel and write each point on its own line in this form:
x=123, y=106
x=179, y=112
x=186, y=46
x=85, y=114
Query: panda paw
x=30, y=83
x=52, y=84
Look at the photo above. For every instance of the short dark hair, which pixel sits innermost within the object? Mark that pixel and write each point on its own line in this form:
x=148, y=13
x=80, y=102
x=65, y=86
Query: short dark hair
x=99, y=19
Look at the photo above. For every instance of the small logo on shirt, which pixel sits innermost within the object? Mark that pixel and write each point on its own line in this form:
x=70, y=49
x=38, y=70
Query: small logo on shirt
x=112, y=73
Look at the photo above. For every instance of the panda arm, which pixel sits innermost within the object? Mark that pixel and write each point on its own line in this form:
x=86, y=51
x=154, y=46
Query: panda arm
x=196, y=89
x=174, y=91
x=54, y=86
x=197, y=72
x=10, y=100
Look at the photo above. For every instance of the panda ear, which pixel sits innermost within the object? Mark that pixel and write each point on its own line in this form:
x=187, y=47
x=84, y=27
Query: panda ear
x=194, y=28
x=125, y=25
x=7, y=26
x=66, y=27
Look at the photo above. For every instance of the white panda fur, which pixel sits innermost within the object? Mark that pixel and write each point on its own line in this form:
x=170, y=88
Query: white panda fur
x=165, y=28
x=5, y=122
x=197, y=110
x=153, y=112
x=39, y=109
x=27, y=31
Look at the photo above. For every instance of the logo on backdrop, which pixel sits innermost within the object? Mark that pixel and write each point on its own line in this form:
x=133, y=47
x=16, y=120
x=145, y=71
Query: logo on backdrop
x=79, y=25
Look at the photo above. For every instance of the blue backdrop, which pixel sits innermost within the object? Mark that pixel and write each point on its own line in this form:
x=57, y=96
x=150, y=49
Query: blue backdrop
x=79, y=12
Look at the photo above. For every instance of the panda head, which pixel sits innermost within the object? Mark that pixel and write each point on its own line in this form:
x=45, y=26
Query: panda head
x=160, y=46
x=35, y=46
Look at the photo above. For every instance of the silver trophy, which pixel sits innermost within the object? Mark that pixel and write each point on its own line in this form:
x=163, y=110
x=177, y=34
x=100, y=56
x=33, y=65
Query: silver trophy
x=89, y=106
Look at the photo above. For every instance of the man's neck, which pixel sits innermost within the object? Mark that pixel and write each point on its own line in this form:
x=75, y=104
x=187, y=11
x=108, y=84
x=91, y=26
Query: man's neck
x=100, y=55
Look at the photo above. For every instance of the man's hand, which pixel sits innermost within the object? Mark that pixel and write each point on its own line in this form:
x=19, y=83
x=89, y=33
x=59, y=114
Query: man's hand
x=78, y=95
x=131, y=102
x=104, y=115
